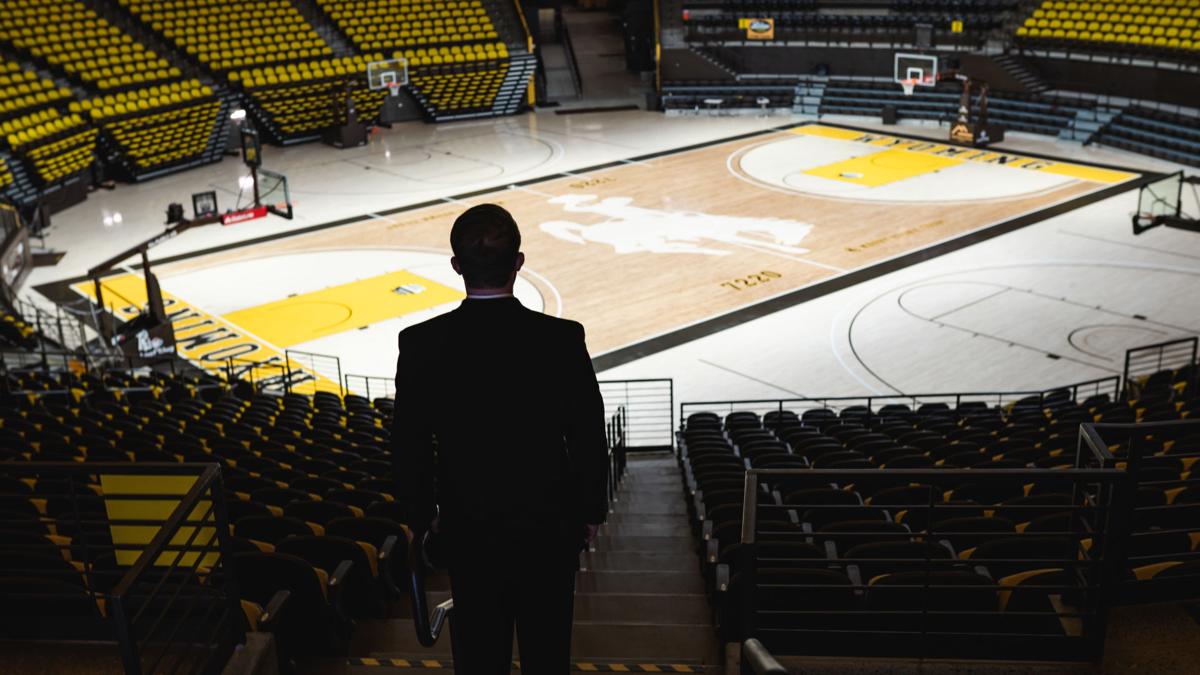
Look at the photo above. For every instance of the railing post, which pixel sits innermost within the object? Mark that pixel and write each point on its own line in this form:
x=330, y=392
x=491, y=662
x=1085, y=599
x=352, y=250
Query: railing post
x=126, y=643
x=748, y=552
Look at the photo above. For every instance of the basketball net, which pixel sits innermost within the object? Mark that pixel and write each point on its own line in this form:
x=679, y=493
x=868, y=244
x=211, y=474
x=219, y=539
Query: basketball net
x=909, y=86
x=394, y=88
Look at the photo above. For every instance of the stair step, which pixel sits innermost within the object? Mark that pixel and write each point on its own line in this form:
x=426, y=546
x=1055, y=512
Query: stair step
x=383, y=666
x=642, y=640
x=690, y=608
x=676, y=544
x=647, y=519
x=645, y=561
x=605, y=581
x=673, y=529
x=649, y=508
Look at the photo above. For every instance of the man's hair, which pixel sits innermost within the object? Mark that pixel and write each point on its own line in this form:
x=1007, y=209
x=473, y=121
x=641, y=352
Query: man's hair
x=485, y=239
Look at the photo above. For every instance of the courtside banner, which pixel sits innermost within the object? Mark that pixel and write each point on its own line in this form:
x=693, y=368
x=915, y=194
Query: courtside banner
x=242, y=216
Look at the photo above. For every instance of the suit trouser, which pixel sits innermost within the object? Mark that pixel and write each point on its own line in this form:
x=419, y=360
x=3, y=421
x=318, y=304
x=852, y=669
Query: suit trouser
x=497, y=589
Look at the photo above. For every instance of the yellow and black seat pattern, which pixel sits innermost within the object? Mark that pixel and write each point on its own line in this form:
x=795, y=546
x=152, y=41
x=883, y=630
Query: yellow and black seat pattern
x=159, y=127
x=6, y=175
x=22, y=91
x=1172, y=25
x=234, y=34
x=55, y=146
x=392, y=24
x=467, y=91
x=457, y=60
x=298, y=100
x=70, y=36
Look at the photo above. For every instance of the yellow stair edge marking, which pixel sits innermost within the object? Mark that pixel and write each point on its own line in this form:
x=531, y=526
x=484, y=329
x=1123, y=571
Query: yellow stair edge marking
x=578, y=666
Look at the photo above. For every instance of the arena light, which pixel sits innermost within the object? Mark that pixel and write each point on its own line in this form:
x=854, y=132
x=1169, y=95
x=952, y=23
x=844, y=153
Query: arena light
x=238, y=115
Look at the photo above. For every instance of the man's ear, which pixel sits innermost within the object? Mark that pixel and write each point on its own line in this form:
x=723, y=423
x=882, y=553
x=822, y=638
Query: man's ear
x=456, y=266
x=520, y=262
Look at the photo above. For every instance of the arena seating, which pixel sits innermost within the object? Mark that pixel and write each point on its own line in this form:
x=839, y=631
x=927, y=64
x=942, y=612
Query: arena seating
x=1033, y=114
x=813, y=532
x=395, y=24
x=15, y=333
x=160, y=125
x=227, y=35
x=1019, y=112
x=1161, y=134
x=695, y=95
x=69, y=35
x=129, y=96
x=307, y=482
x=6, y=175
x=460, y=64
x=22, y=91
x=56, y=146
x=1172, y=25
x=296, y=101
x=818, y=21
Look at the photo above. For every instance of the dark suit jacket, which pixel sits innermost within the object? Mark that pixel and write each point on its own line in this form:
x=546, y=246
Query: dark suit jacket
x=499, y=420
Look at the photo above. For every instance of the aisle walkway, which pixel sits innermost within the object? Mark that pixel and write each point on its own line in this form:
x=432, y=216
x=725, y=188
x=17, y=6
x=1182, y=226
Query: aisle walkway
x=639, y=597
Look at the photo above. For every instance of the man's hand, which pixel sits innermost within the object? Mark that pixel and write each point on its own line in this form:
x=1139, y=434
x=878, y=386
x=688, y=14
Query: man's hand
x=590, y=531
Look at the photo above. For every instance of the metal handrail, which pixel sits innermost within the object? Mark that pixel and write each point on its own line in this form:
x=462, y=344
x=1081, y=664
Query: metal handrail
x=1100, y=385
x=572, y=62
x=756, y=660
x=1113, y=501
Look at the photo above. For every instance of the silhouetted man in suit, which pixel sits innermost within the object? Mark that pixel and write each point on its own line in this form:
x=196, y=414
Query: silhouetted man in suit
x=499, y=446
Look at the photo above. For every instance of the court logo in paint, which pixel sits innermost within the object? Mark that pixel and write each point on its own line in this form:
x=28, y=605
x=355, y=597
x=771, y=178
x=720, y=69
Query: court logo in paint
x=633, y=229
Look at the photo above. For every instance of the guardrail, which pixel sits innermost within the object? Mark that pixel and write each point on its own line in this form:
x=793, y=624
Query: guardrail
x=370, y=386
x=1107, y=386
x=132, y=553
x=308, y=373
x=649, y=407
x=1142, y=362
x=1156, y=455
x=262, y=376
x=617, y=458
x=1046, y=597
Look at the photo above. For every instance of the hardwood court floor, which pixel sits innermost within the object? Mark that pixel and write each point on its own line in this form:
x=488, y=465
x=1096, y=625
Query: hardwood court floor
x=645, y=247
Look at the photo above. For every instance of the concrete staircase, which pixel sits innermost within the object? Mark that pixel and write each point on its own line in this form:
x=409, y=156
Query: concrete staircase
x=1087, y=123
x=1021, y=72
x=325, y=28
x=713, y=60
x=808, y=98
x=639, y=595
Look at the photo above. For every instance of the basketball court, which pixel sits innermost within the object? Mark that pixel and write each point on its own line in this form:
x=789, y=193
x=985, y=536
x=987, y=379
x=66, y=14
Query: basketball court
x=684, y=242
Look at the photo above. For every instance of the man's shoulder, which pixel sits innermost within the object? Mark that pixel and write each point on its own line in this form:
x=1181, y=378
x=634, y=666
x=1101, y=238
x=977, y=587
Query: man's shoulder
x=555, y=325
x=429, y=329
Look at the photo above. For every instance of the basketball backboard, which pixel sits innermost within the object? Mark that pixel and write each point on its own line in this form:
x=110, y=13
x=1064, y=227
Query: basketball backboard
x=273, y=193
x=387, y=74
x=916, y=70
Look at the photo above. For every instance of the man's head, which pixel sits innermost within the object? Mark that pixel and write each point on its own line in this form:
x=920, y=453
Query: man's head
x=487, y=247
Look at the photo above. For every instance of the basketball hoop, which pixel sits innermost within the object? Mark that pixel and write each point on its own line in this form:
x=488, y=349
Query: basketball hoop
x=391, y=74
x=909, y=85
